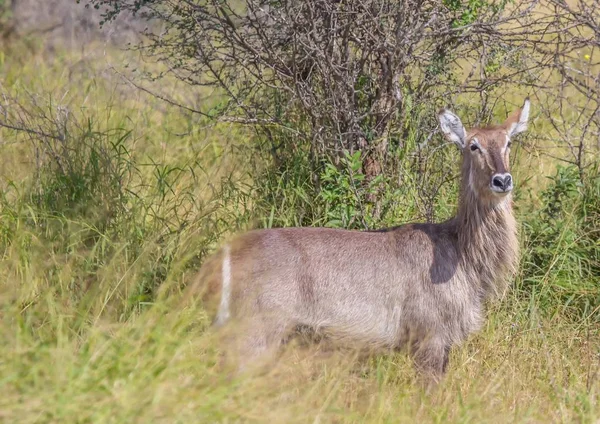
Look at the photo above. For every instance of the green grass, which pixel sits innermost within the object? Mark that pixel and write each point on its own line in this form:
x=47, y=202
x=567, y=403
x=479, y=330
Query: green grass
x=92, y=267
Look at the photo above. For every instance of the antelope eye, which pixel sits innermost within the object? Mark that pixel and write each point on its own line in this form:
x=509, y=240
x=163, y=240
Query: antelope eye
x=474, y=147
x=509, y=144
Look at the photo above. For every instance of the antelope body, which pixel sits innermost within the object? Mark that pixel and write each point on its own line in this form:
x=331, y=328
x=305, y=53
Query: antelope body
x=421, y=286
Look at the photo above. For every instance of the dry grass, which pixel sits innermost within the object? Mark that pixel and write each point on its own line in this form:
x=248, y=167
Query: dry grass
x=160, y=367
x=68, y=355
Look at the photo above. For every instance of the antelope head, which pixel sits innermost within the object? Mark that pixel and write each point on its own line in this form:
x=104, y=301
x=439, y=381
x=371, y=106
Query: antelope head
x=486, y=152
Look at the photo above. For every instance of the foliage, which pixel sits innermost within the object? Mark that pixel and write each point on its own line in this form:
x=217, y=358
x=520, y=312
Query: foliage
x=74, y=191
x=340, y=192
x=337, y=76
x=563, y=250
x=111, y=199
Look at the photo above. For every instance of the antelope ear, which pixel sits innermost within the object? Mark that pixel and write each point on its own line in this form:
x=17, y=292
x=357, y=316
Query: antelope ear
x=452, y=128
x=517, y=122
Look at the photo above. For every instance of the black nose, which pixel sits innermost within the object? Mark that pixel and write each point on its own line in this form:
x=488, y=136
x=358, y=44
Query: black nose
x=503, y=182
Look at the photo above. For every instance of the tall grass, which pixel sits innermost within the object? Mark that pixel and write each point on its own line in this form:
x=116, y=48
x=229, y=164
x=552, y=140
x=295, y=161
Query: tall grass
x=102, y=226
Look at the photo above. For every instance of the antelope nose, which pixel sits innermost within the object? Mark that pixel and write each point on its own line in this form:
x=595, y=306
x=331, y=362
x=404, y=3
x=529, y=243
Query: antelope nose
x=502, y=182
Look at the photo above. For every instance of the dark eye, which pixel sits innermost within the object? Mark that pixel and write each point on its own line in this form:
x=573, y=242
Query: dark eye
x=508, y=144
x=474, y=147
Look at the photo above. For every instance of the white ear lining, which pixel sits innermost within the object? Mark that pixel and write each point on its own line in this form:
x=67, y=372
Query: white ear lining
x=452, y=128
x=521, y=125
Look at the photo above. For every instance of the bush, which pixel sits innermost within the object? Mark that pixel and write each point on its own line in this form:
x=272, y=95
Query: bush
x=335, y=77
x=561, y=264
x=91, y=206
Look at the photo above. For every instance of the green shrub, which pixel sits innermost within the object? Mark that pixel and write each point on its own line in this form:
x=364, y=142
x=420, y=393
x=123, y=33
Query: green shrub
x=562, y=249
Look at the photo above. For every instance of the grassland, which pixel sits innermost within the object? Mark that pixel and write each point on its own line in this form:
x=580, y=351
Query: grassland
x=101, y=228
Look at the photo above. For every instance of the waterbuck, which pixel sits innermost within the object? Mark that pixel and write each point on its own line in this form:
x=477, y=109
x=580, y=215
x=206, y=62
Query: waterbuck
x=420, y=286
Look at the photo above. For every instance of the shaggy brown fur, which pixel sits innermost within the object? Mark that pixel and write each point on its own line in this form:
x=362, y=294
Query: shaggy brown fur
x=421, y=286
